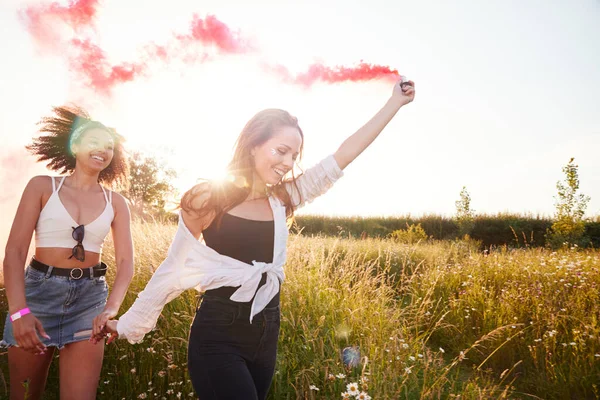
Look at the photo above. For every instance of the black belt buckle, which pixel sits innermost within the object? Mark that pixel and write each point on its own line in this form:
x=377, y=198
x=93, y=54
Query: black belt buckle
x=76, y=277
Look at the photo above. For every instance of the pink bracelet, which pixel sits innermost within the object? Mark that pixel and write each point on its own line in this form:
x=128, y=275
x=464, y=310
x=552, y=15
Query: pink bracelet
x=19, y=314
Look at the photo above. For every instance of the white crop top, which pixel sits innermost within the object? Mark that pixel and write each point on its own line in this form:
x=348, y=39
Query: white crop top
x=55, y=225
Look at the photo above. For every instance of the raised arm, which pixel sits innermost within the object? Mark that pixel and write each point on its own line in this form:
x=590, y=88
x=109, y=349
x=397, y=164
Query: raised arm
x=363, y=137
x=316, y=180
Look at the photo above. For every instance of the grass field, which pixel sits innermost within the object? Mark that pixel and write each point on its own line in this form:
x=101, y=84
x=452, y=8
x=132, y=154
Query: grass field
x=432, y=320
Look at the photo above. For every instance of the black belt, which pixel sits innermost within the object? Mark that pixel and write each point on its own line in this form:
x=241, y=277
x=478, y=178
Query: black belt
x=73, y=273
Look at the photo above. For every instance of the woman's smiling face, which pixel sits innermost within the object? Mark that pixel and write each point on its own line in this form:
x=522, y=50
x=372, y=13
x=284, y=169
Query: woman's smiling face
x=95, y=149
x=276, y=157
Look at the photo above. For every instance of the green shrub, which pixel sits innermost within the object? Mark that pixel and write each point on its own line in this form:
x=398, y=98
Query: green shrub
x=412, y=234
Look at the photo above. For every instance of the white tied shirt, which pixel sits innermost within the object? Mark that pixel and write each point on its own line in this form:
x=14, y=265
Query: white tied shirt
x=192, y=264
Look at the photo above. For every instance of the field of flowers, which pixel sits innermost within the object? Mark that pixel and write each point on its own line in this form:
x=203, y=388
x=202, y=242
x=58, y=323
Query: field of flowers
x=432, y=320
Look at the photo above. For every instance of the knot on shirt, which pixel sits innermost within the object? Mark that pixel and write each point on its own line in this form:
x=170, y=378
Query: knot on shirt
x=249, y=288
x=263, y=266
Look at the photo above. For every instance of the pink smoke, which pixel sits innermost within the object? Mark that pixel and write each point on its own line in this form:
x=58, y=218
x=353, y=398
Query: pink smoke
x=16, y=168
x=91, y=63
x=322, y=73
x=47, y=23
x=212, y=32
x=76, y=14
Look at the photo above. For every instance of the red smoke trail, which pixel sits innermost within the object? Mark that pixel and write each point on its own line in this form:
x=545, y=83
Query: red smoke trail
x=322, y=73
x=211, y=31
x=42, y=20
x=77, y=13
x=89, y=61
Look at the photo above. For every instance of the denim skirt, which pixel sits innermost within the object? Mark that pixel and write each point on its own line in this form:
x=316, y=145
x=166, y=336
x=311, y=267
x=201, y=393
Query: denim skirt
x=66, y=307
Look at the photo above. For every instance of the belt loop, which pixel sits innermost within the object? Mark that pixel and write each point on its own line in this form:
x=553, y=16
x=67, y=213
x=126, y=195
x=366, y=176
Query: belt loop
x=91, y=272
x=49, y=271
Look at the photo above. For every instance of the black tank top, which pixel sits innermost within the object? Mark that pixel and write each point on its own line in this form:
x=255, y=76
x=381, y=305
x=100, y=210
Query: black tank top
x=245, y=240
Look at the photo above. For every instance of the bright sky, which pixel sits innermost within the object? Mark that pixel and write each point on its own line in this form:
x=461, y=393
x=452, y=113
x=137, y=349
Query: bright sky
x=507, y=92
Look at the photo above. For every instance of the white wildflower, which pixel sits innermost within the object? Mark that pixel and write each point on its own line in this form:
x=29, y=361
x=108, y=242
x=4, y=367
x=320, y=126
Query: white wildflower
x=352, y=388
x=363, y=396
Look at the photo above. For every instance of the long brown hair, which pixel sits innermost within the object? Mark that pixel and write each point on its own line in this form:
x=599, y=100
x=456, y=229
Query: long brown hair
x=226, y=195
x=54, y=145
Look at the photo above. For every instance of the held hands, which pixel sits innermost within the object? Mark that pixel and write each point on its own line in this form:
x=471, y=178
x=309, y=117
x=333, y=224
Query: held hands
x=99, y=326
x=25, y=332
x=100, y=320
x=404, y=92
x=110, y=329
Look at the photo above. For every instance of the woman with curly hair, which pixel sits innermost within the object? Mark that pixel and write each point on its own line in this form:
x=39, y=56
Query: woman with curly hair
x=232, y=346
x=61, y=298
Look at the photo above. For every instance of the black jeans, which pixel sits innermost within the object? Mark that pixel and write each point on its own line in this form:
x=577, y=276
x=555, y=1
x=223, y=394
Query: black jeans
x=228, y=357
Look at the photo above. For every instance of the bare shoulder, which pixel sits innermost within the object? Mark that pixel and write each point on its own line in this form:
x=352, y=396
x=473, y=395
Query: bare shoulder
x=199, y=194
x=120, y=207
x=119, y=201
x=39, y=185
x=41, y=181
x=193, y=200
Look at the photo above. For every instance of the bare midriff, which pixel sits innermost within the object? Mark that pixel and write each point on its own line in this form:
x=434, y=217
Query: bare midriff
x=59, y=258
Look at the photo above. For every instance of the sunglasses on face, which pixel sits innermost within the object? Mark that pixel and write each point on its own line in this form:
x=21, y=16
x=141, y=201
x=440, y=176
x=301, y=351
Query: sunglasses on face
x=78, y=251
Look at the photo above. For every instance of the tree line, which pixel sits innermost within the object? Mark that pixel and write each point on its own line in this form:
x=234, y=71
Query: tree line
x=151, y=194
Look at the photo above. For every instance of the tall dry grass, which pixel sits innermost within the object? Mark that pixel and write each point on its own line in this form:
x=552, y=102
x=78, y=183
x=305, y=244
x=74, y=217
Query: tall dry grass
x=432, y=320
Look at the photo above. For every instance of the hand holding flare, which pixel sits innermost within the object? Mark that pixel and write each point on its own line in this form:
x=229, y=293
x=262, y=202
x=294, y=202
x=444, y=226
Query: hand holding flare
x=404, y=90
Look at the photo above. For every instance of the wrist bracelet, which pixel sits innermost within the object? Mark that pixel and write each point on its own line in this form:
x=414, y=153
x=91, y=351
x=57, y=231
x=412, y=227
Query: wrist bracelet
x=19, y=314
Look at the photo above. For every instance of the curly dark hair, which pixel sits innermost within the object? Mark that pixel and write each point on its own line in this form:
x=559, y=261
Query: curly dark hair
x=55, y=145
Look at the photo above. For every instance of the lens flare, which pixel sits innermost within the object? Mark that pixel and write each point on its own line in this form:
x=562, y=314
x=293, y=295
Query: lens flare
x=351, y=356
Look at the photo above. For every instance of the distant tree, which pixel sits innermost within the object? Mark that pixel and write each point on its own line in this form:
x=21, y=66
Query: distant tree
x=150, y=187
x=569, y=226
x=465, y=215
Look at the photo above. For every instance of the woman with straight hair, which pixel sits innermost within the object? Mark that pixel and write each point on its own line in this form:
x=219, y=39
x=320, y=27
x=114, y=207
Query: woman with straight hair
x=238, y=264
x=61, y=297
